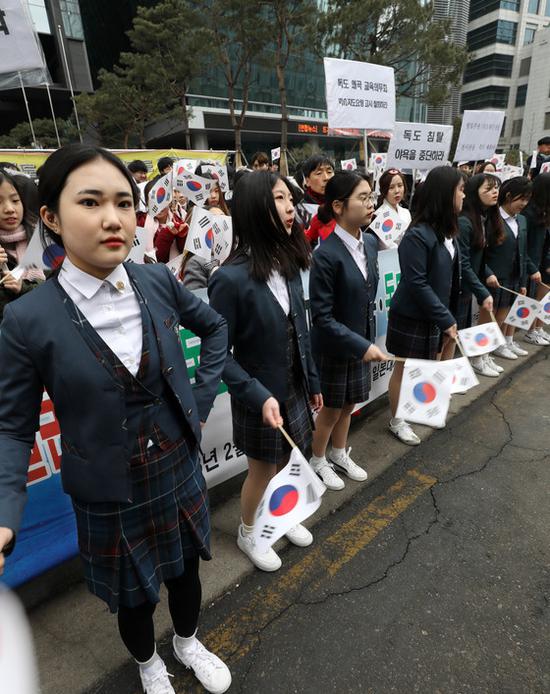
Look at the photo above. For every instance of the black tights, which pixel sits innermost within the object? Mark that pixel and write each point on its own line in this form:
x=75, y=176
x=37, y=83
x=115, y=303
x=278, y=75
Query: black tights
x=136, y=626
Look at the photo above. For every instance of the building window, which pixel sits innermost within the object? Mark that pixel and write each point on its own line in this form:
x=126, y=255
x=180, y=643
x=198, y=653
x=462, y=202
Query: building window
x=547, y=121
x=39, y=15
x=521, y=95
x=496, y=97
x=480, y=8
x=72, y=21
x=489, y=66
x=516, y=128
x=500, y=31
x=547, y=10
x=525, y=67
x=529, y=35
x=533, y=6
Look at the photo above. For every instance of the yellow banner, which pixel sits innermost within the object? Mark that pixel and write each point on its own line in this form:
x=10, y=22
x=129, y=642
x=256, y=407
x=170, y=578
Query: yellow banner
x=29, y=160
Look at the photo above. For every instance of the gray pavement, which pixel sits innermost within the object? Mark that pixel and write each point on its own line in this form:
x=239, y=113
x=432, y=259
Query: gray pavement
x=433, y=577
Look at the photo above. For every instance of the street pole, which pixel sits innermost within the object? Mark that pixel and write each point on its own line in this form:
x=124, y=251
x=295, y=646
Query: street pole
x=35, y=145
x=69, y=80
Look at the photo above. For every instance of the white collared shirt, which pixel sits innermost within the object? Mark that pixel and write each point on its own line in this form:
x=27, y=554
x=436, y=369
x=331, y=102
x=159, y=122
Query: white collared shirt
x=356, y=248
x=111, y=307
x=449, y=245
x=511, y=221
x=278, y=287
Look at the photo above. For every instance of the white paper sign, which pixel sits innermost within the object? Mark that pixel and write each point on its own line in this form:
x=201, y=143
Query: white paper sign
x=359, y=95
x=291, y=496
x=522, y=313
x=481, y=339
x=419, y=146
x=479, y=135
x=348, y=164
x=276, y=154
x=18, y=43
x=425, y=391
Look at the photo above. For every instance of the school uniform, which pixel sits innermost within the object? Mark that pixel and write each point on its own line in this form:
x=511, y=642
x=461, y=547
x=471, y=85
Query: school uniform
x=342, y=289
x=271, y=358
x=538, y=244
x=129, y=419
x=509, y=261
x=425, y=300
x=473, y=271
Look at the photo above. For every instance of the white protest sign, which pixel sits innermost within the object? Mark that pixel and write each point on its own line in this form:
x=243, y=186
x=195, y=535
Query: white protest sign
x=160, y=195
x=508, y=172
x=348, y=164
x=464, y=377
x=534, y=159
x=419, y=145
x=388, y=225
x=481, y=339
x=359, y=95
x=479, y=135
x=522, y=313
x=200, y=238
x=425, y=391
x=291, y=496
x=18, y=43
x=276, y=154
x=219, y=172
x=196, y=188
x=544, y=309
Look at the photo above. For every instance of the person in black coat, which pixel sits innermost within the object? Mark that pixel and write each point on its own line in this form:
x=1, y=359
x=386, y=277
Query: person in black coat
x=270, y=374
x=537, y=215
x=342, y=289
x=421, y=321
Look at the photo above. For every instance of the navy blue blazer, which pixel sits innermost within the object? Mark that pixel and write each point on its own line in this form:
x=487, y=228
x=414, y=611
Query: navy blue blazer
x=424, y=291
x=40, y=347
x=258, y=367
x=538, y=240
x=341, y=301
x=500, y=260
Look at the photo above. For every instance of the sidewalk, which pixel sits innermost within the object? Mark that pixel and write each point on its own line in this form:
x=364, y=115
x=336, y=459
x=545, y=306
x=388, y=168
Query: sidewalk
x=77, y=639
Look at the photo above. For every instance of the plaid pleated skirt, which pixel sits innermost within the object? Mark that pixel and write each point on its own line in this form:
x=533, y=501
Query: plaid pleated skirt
x=128, y=550
x=502, y=298
x=343, y=381
x=463, y=313
x=264, y=443
x=407, y=337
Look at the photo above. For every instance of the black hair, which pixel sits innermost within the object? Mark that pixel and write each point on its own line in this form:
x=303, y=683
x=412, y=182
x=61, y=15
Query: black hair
x=513, y=188
x=474, y=211
x=385, y=182
x=28, y=194
x=137, y=165
x=56, y=170
x=163, y=162
x=544, y=141
x=260, y=157
x=339, y=187
x=540, y=199
x=313, y=162
x=434, y=202
x=259, y=233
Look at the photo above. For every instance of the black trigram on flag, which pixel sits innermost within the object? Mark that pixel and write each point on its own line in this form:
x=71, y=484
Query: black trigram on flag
x=197, y=243
x=204, y=222
x=295, y=470
x=311, y=496
x=136, y=242
x=267, y=531
x=218, y=248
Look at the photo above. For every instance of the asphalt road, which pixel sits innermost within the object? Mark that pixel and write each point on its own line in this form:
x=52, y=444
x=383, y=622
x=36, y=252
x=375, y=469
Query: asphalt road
x=434, y=579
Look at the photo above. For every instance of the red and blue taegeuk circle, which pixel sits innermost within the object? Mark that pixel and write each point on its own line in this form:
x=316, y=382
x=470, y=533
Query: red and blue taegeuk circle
x=546, y=307
x=424, y=392
x=387, y=225
x=194, y=186
x=481, y=340
x=283, y=500
x=161, y=194
x=523, y=312
x=53, y=255
x=378, y=160
x=209, y=238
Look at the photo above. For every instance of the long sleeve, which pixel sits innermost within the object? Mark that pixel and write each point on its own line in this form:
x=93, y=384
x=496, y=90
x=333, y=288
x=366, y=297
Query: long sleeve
x=470, y=279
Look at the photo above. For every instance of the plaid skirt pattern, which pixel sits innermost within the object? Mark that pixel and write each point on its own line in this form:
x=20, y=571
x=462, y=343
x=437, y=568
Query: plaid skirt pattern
x=264, y=443
x=128, y=550
x=407, y=337
x=463, y=313
x=502, y=298
x=343, y=380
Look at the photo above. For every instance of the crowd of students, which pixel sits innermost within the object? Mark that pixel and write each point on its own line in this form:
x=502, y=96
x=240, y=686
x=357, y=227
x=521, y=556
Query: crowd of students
x=109, y=329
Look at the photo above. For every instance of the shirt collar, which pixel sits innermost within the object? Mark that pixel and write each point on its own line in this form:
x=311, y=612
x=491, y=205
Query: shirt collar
x=505, y=215
x=88, y=285
x=349, y=240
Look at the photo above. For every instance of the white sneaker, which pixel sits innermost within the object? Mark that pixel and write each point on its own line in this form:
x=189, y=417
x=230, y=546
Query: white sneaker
x=266, y=561
x=346, y=464
x=154, y=679
x=535, y=338
x=211, y=672
x=504, y=353
x=516, y=349
x=300, y=536
x=542, y=333
x=404, y=433
x=329, y=477
x=492, y=363
x=480, y=366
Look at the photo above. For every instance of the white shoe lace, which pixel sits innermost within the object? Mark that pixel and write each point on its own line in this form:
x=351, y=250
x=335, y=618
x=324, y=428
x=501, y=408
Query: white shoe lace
x=201, y=660
x=157, y=682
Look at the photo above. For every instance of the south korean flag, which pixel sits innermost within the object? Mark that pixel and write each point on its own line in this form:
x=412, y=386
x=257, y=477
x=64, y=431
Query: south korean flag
x=194, y=187
x=481, y=339
x=222, y=226
x=200, y=237
x=291, y=496
x=464, y=377
x=543, y=313
x=388, y=226
x=160, y=195
x=425, y=391
x=219, y=172
x=524, y=310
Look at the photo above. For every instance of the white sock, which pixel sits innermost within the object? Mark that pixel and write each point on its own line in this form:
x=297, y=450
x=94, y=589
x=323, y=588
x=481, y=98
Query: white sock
x=477, y=361
x=153, y=660
x=338, y=453
x=317, y=462
x=247, y=529
x=509, y=339
x=183, y=643
x=396, y=421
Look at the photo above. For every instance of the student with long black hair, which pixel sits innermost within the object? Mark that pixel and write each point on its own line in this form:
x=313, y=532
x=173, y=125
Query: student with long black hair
x=508, y=264
x=270, y=373
x=393, y=191
x=421, y=321
x=342, y=289
x=480, y=216
x=100, y=336
x=537, y=214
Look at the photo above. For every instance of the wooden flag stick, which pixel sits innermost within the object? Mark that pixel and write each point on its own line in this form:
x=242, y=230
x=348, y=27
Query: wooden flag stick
x=493, y=317
x=509, y=290
x=545, y=285
x=457, y=340
x=287, y=437
x=390, y=358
